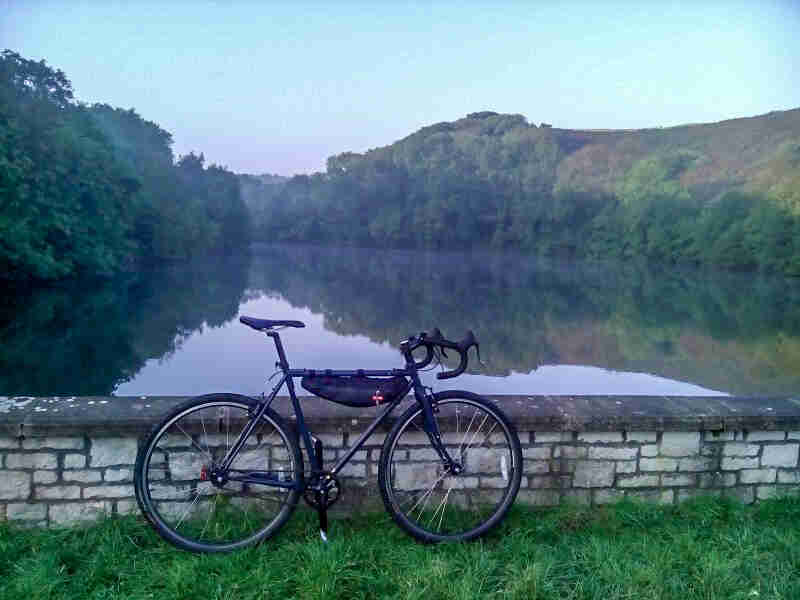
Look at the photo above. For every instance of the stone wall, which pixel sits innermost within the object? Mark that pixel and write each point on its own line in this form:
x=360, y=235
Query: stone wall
x=67, y=460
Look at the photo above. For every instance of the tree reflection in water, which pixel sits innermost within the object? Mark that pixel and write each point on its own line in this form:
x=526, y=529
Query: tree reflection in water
x=737, y=333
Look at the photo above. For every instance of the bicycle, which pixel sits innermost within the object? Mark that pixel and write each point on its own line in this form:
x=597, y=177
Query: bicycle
x=223, y=471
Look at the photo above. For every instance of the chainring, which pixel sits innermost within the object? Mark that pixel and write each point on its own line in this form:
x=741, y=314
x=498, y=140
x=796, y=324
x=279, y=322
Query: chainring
x=330, y=482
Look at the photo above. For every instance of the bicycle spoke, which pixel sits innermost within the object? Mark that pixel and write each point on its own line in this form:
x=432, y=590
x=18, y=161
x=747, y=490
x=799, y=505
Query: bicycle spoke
x=186, y=512
x=449, y=505
x=195, y=443
x=235, y=513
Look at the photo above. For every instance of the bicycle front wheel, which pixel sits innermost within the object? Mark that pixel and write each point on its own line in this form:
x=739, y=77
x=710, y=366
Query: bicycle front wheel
x=430, y=502
x=173, y=480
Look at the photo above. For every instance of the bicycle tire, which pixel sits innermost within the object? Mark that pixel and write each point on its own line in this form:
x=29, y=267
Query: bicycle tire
x=496, y=461
x=166, y=465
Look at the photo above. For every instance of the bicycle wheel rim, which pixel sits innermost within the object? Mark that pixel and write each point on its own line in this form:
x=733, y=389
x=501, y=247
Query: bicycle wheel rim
x=436, y=506
x=189, y=510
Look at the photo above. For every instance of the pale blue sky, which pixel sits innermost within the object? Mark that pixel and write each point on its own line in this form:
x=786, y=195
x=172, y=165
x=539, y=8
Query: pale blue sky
x=280, y=86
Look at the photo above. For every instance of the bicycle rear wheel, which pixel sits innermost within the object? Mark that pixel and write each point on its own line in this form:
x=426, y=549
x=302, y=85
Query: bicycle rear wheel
x=434, y=505
x=173, y=485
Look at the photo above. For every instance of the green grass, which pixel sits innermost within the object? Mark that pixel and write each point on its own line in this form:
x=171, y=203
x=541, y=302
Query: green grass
x=705, y=549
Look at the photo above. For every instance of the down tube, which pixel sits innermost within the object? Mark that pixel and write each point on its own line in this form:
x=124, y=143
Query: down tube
x=363, y=437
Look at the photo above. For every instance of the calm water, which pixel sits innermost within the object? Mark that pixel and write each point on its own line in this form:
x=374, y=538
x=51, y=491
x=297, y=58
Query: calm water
x=545, y=327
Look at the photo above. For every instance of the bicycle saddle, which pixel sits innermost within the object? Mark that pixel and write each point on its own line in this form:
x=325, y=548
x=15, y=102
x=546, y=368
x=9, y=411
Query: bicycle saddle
x=263, y=324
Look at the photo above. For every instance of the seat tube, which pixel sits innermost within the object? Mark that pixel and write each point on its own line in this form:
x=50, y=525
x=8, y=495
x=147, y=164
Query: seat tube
x=283, y=363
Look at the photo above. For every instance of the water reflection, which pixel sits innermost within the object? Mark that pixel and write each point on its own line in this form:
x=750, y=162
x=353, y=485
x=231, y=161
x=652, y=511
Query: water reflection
x=722, y=331
x=87, y=337
x=545, y=327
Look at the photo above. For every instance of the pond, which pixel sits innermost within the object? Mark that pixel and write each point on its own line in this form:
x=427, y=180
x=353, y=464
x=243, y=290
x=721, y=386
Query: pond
x=545, y=326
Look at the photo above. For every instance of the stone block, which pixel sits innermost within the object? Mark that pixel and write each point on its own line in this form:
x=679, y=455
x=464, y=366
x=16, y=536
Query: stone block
x=650, y=450
x=657, y=496
x=546, y=481
x=39, y=460
x=740, y=449
x=658, y=464
x=716, y=479
x=570, y=452
x=562, y=466
x=757, y=476
x=74, y=461
x=56, y=443
x=73, y=513
x=789, y=477
x=57, y=492
x=792, y=435
x=549, y=437
x=538, y=452
x=26, y=512
x=696, y=464
x=8, y=443
x=487, y=482
x=355, y=470
x=108, y=491
x=680, y=443
x=417, y=454
x=45, y=476
x=127, y=507
x=734, y=464
x=745, y=495
x=641, y=436
x=606, y=453
x=626, y=466
x=115, y=475
x=577, y=496
x=765, y=492
x=106, y=452
x=83, y=476
x=336, y=440
x=638, y=481
x=688, y=494
x=719, y=436
x=606, y=437
x=471, y=483
x=409, y=438
x=14, y=485
x=677, y=479
x=593, y=474
x=538, y=497
x=784, y=455
x=608, y=496
x=536, y=466
x=765, y=436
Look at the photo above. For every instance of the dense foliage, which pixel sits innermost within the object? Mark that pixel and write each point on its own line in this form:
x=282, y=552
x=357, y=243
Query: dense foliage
x=726, y=194
x=93, y=189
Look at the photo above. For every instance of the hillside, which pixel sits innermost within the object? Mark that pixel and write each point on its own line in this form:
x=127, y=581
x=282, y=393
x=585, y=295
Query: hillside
x=725, y=193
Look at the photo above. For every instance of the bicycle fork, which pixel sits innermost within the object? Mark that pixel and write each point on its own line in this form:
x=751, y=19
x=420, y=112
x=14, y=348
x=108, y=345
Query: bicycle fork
x=431, y=427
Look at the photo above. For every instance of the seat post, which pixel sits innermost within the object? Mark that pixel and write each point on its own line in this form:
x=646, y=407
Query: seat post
x=284, y=364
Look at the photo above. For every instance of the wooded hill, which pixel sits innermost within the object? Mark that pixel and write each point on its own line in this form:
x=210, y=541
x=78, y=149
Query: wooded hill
x=724, y=193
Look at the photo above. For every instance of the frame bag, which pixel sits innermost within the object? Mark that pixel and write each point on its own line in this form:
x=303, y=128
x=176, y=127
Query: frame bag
x=356, y=390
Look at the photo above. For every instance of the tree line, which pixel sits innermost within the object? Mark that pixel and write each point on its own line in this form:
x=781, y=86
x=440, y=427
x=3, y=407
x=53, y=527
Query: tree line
x=91, y=189
x=494, y=180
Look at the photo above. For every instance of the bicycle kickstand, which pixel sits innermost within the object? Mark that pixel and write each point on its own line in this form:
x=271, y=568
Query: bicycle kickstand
x=322, y=510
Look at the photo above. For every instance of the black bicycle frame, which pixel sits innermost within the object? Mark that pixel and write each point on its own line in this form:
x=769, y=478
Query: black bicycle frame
x=288, y=376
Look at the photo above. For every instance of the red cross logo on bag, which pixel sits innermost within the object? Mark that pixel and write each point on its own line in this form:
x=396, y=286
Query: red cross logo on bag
x=377, y=397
